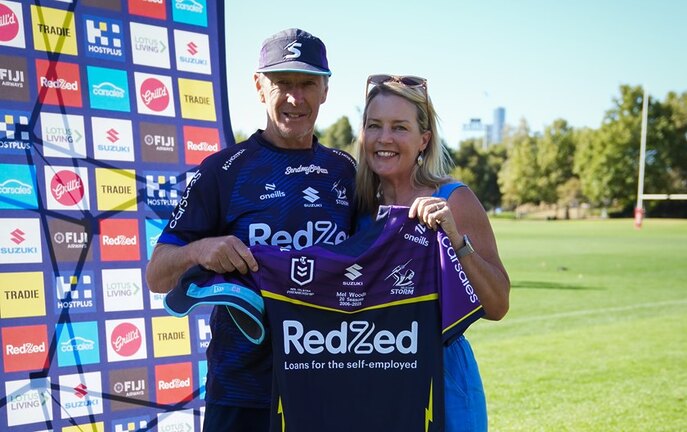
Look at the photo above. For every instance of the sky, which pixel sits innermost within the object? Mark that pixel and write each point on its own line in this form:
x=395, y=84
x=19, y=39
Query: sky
x=539, y=59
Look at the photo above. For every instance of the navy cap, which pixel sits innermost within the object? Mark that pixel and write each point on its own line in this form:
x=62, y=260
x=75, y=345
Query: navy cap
x=199, y=286
x=294, y=50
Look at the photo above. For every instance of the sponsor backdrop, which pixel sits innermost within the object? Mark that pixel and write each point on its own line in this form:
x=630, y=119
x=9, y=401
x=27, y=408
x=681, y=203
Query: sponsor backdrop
x=106, y=107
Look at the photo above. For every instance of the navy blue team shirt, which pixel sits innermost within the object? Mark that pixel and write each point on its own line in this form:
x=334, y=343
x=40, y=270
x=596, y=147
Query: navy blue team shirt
x=263, y=195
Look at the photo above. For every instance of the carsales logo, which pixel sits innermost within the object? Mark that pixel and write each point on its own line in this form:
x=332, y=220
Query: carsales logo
x=25, y=348
x=68, y=188
x=126, y=338
x=11, y=32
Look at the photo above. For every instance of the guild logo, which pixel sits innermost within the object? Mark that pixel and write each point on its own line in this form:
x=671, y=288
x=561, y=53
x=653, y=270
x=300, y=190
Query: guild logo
x=67, y=188
x=11, y=20
x=126, y=339
x=302, y=270
x=154, y=95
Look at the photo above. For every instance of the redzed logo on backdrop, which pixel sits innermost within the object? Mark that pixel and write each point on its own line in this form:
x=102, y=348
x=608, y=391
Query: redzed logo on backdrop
x=67, y=188
x=25, y=348
x=155, y=94
x=174, y=383
x=199, y=143
x=119, y=240
x=126, y=339
x=148, y=8
x=9, y=24
x=59, y=83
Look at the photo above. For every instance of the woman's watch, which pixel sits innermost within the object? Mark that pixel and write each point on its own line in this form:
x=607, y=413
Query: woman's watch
x=467, y=249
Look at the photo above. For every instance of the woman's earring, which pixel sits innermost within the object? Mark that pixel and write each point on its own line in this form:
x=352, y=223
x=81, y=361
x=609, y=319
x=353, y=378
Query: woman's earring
x=420, y=159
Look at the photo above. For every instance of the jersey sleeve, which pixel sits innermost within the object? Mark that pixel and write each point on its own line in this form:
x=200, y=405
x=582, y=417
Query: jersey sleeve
x=460, y=305
x=240, y=294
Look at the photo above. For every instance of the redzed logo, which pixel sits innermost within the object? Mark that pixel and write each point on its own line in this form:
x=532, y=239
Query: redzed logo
x=25, y=348
x=59, y=83
x=9, y=24
x=126, y=339
x=199, y=143
x=174, y=383
x=119, y=240
x=67, y=188
x=148, y=8
x=154, y=94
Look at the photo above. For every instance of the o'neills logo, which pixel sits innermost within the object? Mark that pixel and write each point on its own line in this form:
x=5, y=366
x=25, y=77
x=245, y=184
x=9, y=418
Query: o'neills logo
x=9, y=25
x=176, y=383
x=67, y=187
x=25, y=348
x=126, y=339
x=120, y=240
x=155, y=94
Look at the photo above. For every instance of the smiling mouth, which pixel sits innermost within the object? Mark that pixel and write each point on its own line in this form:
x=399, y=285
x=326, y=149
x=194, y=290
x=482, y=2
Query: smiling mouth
x=385, y=154
x=294, y=116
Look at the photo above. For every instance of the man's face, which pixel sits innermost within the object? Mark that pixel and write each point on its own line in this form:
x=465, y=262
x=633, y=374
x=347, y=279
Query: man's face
x=292, y=101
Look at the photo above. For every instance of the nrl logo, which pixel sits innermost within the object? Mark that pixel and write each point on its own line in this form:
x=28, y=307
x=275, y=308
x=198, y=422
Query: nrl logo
x=302, y=270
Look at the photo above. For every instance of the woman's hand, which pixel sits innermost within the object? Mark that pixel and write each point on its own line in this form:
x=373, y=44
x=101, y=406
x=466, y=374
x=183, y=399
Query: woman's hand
x=433, y=212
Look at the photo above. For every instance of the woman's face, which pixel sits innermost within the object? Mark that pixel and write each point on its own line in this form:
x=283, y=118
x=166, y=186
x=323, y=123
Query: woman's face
x=392, y=137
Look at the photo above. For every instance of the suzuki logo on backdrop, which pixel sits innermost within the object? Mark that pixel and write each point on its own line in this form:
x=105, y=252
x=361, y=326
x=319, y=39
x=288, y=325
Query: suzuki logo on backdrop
x=149, y=45
x=63, y=135
x=13, y=76
x=113, y=139
x=20, y=241
x=81, y=394
x=192, y=52
x=12, y=25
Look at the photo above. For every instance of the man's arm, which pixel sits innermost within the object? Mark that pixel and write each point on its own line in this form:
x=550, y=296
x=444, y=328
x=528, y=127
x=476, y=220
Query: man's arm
x=219, y=254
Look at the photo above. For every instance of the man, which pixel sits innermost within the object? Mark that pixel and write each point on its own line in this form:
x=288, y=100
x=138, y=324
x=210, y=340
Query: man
x=279, y=187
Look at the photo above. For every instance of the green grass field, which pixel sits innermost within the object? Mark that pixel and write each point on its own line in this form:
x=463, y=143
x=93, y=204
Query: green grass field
x=596, y=336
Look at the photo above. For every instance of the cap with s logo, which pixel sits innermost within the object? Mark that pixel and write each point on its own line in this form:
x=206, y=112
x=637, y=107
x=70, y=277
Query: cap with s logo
x=294, y=50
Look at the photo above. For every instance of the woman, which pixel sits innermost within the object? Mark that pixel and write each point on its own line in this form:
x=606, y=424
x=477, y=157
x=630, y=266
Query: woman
x=401, y=161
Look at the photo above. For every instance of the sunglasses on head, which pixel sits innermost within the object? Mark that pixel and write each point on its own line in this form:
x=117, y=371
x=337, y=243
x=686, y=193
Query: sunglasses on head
x=409, y=81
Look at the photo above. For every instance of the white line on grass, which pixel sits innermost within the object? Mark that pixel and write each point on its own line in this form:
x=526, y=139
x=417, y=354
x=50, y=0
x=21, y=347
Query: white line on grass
x=596, y=311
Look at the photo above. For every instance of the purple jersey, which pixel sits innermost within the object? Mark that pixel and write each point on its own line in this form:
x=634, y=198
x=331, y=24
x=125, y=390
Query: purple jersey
x=263, y=195
x=357, y=329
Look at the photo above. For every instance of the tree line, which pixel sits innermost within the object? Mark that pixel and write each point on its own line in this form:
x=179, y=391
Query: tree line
x=566, y=166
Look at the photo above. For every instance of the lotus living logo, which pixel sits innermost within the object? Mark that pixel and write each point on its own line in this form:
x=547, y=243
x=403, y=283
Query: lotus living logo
x=122, y=289
x=28, y=401
x=127, y=340
x=108, y=89
x=68, y=188
x=192, y=52
x=154, y=94
x=63, y=135
x=17, y=187
x=104, y=38
x=149, y=45
x=15, y=137
x=13, y=74
x=20, y=241
x=11, y=25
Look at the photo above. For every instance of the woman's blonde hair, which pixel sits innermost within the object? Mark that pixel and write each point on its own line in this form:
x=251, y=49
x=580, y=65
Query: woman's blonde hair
x=436, y=160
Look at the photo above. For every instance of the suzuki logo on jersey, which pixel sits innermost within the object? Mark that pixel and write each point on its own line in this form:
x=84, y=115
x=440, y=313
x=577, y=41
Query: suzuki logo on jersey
x=272, y=192
x=421, y=240
x=326, y=232
x=293, y=49
x=11, y=25
x=341, y=197
x=353, y=272
x=113, y=139
x=403, y=279
x=302, y=270
x=311, y=195
x=357, y=337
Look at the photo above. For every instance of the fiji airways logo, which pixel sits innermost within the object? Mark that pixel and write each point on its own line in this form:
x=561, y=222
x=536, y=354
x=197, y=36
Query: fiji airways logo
x=311, y=195
x=403, y=279
x=272, y=192
x=302, y=270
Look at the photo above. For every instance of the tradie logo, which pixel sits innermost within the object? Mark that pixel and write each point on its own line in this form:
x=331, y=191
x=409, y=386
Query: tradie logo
x=353, y=272
x=302, y=270
x=192, y=48
x=404, y=279
x=18, y=236
x=80, y=391
x=311, y=195
x=112, y=136
x=293, y=49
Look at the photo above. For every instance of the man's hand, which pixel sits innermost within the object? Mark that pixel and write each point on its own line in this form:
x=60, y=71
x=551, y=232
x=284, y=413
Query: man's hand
x=225, y=254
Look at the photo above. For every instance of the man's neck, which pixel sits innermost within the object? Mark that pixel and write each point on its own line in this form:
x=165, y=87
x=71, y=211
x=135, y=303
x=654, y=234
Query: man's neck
x=297, y=143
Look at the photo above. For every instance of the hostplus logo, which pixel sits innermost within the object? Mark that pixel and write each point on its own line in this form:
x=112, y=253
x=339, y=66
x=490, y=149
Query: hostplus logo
x=11, y=25
x=15, y=136
x=131, y=424
x=271, y=192
x=108, y=89
x=421, y=238
x=17, y=187
x=204, y=332
x=403, y=279
x=341, y=196
x=63, y=135
x=75, y=292
x=161, y=191
x=13, y=75
x=311, y=195
x=104, y=37
x=193, y=52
